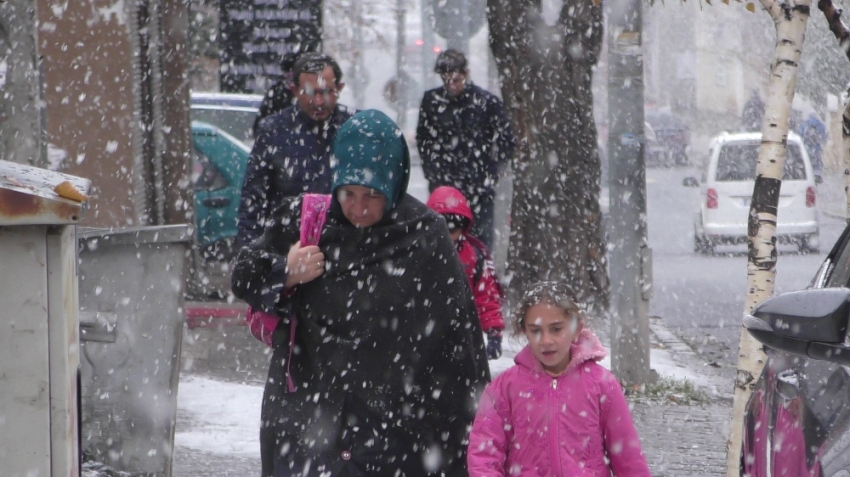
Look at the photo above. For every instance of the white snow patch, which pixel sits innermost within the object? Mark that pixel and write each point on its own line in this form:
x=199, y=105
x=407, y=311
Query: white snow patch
x=225, y=417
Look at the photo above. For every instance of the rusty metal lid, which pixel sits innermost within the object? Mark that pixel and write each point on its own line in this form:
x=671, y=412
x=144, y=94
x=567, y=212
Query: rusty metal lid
x=33, y=196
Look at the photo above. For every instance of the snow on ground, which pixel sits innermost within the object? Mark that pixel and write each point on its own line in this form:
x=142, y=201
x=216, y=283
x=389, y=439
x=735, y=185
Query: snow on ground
x=223, y=418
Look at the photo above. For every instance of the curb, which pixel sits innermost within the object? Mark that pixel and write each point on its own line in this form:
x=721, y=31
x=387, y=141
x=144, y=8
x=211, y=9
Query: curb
x=719, y=388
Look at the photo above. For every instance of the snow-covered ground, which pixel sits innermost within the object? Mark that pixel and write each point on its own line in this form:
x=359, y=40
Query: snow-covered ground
x=223, y=417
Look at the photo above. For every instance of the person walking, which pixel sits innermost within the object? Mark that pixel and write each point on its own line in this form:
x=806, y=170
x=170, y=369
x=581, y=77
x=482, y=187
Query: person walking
x=379, y=358
x=463, y=136
x=291, y=154
x=556, y=411
x=281, y=95
x=475, y=257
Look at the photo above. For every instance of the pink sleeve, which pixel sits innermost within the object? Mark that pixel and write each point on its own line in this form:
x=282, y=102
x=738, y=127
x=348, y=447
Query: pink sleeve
x=488, y=440
x=622, y=443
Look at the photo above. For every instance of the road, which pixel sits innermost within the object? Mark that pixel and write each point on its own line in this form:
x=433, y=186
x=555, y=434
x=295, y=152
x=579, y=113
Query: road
x=701, y=298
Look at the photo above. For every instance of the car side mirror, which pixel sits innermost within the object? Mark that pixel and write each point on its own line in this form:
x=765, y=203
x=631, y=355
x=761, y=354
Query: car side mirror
x=690, y=182
x=809, y=323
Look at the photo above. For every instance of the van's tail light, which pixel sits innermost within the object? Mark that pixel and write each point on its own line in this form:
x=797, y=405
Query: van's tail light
x=810, y=197
x=711, y=199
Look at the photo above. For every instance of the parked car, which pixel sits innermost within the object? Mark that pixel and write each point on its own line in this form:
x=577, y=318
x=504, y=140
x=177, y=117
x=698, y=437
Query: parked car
x=231, y=112
x=726, y=188
x=797, y=420
x=218, y=170
x=671, y=137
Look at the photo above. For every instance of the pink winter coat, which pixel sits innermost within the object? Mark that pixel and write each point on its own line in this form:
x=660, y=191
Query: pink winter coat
x=531, y=424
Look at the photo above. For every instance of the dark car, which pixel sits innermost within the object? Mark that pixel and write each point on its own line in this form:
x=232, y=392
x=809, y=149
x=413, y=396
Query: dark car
x=797, y=421
x=672, y=136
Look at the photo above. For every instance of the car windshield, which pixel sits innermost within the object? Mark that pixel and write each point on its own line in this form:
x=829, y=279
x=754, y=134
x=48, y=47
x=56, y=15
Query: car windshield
x=737, y=162
x=236, y=122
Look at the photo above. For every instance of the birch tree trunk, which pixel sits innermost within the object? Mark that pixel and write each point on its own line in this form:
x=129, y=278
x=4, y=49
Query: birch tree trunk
x=545, y=69
x=842, y=34
x=790, y=18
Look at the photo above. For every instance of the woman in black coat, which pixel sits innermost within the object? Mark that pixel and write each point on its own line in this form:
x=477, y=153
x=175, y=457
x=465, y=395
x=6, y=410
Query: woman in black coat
x=387, y=358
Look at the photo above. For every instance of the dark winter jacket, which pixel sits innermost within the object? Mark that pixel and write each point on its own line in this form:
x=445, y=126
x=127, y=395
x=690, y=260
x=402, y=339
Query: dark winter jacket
x=276, y=99
x=463, y=140
x=291, y=155
x=475, y=259
x=388, y=355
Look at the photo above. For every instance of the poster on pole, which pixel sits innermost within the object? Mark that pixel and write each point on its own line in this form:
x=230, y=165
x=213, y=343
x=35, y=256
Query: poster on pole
x=255, y=34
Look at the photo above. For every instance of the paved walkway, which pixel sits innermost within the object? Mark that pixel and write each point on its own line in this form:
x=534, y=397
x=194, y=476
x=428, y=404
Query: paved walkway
x=680, y=440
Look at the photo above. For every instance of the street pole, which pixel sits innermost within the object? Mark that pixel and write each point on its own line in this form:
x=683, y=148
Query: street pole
x=359, y=83
x=631, y=258
x=399, y=62
x=21, y=117
x=427, y=44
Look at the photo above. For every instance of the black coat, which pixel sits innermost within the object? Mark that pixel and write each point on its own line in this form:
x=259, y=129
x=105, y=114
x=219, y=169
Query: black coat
x=276, y=99
x=462, y=140
x=389, y=358
x=290, y=156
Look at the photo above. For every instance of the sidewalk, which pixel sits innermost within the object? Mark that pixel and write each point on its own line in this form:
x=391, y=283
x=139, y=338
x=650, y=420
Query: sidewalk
x=218, y=416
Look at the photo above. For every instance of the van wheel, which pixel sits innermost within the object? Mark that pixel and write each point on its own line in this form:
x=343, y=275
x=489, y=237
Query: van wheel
x=806, y=246
x=703, y=246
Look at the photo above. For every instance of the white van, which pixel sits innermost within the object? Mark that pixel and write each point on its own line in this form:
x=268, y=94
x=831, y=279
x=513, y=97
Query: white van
x=726, y=188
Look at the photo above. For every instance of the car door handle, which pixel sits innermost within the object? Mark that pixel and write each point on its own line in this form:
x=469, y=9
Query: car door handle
x=216, y=202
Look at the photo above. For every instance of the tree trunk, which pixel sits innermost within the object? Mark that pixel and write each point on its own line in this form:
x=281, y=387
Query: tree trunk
x=545, y=73
x=842, y=34
x=21, y=116
x=790, y=19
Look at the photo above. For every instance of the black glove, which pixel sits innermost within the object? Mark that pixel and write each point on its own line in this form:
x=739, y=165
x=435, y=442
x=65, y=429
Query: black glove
x=494, y=344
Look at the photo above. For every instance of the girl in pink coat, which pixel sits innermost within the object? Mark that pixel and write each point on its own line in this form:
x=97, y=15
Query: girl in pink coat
x=556, y=412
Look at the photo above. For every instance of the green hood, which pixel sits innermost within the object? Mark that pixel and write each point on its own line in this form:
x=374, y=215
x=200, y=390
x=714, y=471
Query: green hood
x=370, y=151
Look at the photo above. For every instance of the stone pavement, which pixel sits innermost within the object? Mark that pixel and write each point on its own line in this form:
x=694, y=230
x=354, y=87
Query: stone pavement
x=679, y=439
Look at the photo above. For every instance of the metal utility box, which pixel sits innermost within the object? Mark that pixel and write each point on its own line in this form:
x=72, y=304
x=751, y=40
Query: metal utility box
x=131, y=304
x=39, y=328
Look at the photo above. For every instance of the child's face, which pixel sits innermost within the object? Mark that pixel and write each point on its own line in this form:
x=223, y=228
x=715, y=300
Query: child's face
x=550, y=332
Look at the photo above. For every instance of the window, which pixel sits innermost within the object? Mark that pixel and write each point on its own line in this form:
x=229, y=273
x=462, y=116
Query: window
x=205, y=176
x=737, y=162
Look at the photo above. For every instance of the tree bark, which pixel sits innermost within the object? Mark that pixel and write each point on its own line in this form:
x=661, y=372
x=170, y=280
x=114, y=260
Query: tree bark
x=21, y=116
x=545, y=73
x=842, y=34
x=790, y=18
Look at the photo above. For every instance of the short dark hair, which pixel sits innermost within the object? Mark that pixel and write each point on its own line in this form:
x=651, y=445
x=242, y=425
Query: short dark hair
x=451, y=61
x=314, y=63
x=287, y=63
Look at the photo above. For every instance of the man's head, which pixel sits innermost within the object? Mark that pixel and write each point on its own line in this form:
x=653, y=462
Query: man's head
x=317, y=83
x=453, y=70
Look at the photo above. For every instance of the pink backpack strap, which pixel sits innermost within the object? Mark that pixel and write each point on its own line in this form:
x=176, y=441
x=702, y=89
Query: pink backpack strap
x=314, y=212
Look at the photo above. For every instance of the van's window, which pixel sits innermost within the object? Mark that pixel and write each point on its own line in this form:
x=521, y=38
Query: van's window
x=206, y=176
x=737, y=162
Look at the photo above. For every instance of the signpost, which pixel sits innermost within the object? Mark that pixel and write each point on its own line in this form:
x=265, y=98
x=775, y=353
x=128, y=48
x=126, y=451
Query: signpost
x=255, y=34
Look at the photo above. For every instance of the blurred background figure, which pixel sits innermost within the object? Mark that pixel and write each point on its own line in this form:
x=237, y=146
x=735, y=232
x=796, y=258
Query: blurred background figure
x=280, y=96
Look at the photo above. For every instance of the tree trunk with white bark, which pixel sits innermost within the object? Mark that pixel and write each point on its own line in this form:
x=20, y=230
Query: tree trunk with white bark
x=790, y=18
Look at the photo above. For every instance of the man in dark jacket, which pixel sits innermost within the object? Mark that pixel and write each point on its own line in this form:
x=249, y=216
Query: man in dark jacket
x=292, y=151
x=280, y=96
x=463, y=136
x=382, y=370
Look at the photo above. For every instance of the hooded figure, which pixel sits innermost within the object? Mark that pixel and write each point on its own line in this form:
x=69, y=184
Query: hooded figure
x=387, y=358
x=475, y=257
